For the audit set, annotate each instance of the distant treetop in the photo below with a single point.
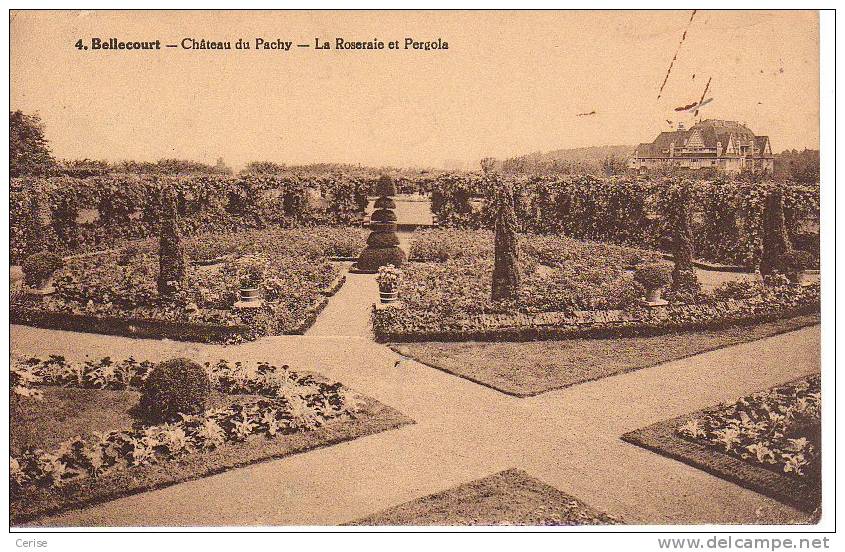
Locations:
(29, 152)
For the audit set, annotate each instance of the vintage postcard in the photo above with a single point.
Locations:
(401, 269)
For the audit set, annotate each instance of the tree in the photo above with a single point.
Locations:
(221, 167)
(506, 256)
(612, 165)
(29, 152)
(171, 255)
(800, 166)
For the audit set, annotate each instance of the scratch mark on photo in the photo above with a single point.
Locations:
(677, 51)
(700, 102)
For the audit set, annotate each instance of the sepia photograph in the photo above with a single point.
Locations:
(391, 270)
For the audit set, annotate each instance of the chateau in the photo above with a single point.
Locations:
(723, 145)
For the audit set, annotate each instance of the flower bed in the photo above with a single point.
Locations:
(283, 404)
(768, 441)
(403, 325)
(120, 285)
(779, 429)
(569, 288)
(443, 244)
(452, 277)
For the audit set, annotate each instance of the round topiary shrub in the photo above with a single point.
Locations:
(39, 267)
(382, 239)
(176, 386)
(383, 226)
(383, 215)
(385, 203)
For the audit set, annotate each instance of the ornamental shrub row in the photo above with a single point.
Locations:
(76, 215)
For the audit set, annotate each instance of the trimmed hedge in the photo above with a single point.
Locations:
(160, 329)
(130, 326)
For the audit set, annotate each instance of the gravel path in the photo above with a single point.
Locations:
(568, 438)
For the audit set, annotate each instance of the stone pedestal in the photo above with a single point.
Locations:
(654, 304)
(249, 304)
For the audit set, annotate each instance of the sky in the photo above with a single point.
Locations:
(510, 83)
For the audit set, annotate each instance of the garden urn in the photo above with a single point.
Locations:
(653, 277)
(250, 294)
(390, 296)
(388, 280)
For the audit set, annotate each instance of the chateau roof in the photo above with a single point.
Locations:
(711, 132)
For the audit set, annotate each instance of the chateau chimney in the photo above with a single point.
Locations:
(718, 149)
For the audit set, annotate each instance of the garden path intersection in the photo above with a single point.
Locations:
(568, 438)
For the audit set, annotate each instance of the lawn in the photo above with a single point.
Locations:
(77, 437)
(65, 413)
(511, 497)
(533, 367)
(769, 442)
(295, 273)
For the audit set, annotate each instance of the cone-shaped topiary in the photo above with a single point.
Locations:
(684, 279)
(382, 244)
(776, 245)
(506, 259)
(172, 263)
